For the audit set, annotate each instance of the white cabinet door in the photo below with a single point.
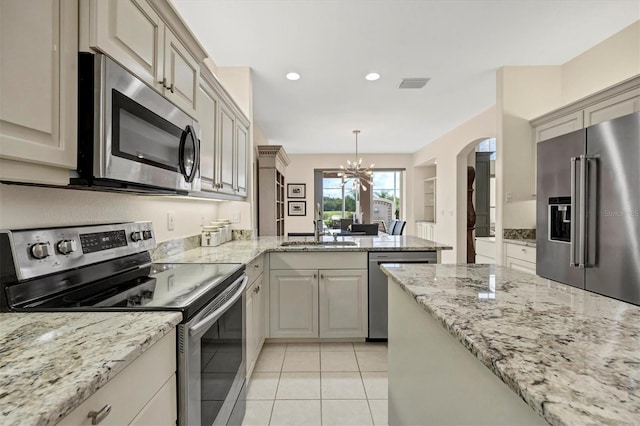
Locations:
(181, 71)
(162, 409)
(225, 153)
(617, 106)
(242, 141)
(343, 303)
(38, 89)
(207, 116)
(255, 321)
(132, 33)
(293, 303)
(560, 126)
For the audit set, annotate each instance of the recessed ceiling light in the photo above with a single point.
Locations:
(372, 76)
(293, 76)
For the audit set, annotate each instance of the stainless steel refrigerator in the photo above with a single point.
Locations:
(588, 208)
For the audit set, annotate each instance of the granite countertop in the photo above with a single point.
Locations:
(572, 355)
(51, 362)
(244, 251)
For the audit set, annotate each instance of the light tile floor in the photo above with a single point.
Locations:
(319, 384)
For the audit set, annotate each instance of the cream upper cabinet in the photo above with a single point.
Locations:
(181, 72)
(134, 34)
(242, 141)
(38, 87)
(225, 151)
(131, 32)
(559, 126)
(617, 106)
(224, 140)
(206, 114)
(614, 102)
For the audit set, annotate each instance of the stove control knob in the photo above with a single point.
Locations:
(41, 250)
(146, 235)
(136, 236)
(67, 246)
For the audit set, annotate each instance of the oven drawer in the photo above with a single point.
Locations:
(255, 268)
(129, 391)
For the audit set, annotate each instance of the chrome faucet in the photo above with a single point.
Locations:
(316, 230)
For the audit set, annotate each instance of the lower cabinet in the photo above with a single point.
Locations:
(521, 258)
(426, 230)
(143, 393)
(255, 321)
(318, 303)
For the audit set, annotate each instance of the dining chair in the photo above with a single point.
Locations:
(397, 230)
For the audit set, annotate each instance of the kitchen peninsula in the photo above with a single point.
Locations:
(571, 355)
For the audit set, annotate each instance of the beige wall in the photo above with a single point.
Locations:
(607, 63)
(301, 168)
(30, 207)
(451, 153)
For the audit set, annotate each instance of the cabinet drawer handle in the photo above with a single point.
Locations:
(171, 88)
(163, 82)
(256, 266)
(322, 276)
(524, 250)
(257, 290)
(315, 275)
(98, 416)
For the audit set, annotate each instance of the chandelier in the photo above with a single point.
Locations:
(355, 172)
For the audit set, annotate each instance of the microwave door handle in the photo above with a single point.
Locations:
(583, 211)
(204, 324)
(572, 225)
(181, 151)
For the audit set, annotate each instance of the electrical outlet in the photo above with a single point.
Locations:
(171, 219)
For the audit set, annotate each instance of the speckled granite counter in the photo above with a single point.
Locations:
(573, 356)
(51, 362)
(243, 251)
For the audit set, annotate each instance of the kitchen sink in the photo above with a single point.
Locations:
(318, 243)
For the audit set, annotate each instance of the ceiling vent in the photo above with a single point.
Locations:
(413, 83)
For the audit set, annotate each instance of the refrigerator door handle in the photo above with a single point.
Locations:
(583, 211)
(572, 225)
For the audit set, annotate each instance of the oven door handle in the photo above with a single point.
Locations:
(208, 320)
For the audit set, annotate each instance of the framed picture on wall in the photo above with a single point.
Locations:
(296, 190)
(297, 208)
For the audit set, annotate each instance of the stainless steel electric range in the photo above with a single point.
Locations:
(109, 268)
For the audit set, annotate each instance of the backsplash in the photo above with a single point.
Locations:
(175, 246)
(519, 234)
(242, 234)
(179, 245)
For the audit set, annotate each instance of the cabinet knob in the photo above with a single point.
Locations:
(257, 289)
(256, 266)
(315, 275)
(98, 416)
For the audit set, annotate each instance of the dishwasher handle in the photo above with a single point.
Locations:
(380, 262)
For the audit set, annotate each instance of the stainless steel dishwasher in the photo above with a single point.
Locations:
(378, 306)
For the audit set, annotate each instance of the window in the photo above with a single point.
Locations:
(380, 203)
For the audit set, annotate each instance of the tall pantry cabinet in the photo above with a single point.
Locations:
(272, 160)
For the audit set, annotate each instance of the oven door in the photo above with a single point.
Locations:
(211, 360)
(145, 138)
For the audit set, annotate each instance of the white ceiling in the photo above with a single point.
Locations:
(459, 44)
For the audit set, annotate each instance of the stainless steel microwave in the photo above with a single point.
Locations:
(130, 137)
